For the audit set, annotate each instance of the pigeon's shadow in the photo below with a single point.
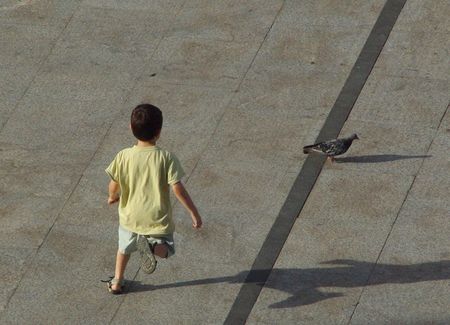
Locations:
(370, 159)
(309, 285)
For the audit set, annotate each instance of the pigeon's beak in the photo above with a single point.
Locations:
(356, 138)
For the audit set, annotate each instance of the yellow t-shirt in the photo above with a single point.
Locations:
(144, 175)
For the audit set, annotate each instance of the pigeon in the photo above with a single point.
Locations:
(331, 148)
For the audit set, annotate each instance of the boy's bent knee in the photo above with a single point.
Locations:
(123, 252)
(161, 250)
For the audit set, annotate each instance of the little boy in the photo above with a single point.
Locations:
(142, 174)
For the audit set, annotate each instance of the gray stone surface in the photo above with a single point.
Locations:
(412, 101)
(34, 185)
(330, 252)
(423, 54)
(227, 21)
(79, 125)
(420, 15)
(396, 271)
(410, 281)
(243, 86)
(205, 62)
(300, 49)
(436, 168)
(13, 262)
(38, 12)
(330, 13)
(13, 84)
(169, 6)
(65, 277)
(22, 49)
(31, 204)
(385, 148)
(107, 42)
(25, 44)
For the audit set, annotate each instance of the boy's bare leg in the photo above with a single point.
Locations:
(161, 250)
(121, 264)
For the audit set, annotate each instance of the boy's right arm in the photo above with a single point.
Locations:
(184, 198)
(113, 189)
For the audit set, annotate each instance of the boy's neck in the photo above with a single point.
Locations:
(150, 143)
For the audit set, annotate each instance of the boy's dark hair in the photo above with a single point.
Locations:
(146, 121)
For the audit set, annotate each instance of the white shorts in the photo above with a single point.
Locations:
(128, 241)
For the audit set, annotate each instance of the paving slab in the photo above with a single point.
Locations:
(427, 16)
(25, 44)
(445, 121)
(432, 182)
(440, 163)
(13, 265)
(331, 249)
(16, 160)
(13, 85)
(202, 62)
(303, 96)
(413, 102)
(30, 205)
(384, 147)
(72, 85)
(330, 13)
(38, 12)
(167, 5)
(65, 276)
(88, 203)
(83, 131)
(423, 54)
(107, 42)
(300, 49)
(306, 284)
(22, 49)
(411, 280)
(228, 21)
(262, 128)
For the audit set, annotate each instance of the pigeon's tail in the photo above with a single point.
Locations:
(308, 149)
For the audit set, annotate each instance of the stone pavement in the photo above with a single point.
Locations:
(243, 85)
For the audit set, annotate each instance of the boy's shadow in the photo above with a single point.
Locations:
(370, 159)
(304, 284)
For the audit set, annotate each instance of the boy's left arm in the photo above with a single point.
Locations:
(184, 198)
(113, 189)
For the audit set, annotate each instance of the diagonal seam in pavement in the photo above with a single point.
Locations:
(236, 90)
(130, 92)
(40, 64)
(9, 117)
(217, 124)
(304, 183)
(72, 191)
(396, 217)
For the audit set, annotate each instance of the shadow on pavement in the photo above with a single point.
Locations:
(377, 158)
(304, 284)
